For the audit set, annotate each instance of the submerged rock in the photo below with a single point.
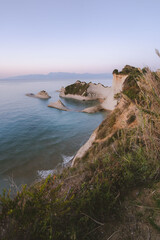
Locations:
(30, 94)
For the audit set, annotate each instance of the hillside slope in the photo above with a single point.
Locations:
(112, 190)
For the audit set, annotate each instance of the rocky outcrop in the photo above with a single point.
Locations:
(93, 109)
(85, 91)
(91, 91)
(42, 94)
(58, 105)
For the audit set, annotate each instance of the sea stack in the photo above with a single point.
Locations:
(58, 105)
(42, 94)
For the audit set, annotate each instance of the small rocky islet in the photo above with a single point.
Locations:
(42, 94)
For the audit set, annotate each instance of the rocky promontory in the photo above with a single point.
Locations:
(91, 91)
(84, 91)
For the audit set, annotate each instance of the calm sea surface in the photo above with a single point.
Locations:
(35, 139)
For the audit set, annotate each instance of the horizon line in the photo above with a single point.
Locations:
(49, 73)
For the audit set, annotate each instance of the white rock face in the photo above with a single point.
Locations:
(118, 81)
(81, 152)
(117, 84)
(98, 91)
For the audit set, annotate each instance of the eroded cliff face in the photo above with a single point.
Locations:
(110, 102)
(117, 84)
(125, 115)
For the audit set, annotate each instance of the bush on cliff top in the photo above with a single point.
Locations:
(130, 85)
(126, 70)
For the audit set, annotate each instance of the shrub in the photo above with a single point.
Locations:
(77, 88)
(115, 71)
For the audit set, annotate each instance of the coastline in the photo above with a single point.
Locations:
(114, 170)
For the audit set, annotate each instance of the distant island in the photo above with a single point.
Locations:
(60, 76)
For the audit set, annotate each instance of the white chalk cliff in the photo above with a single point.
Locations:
(99, 92)
(110, 102)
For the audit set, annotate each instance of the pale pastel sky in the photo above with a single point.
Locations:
(41, 36)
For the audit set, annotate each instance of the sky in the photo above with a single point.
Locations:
(95, 36)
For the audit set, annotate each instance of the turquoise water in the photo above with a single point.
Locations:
(35, 139)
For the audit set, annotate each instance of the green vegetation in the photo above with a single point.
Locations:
(107, 124)
(130, 87)
(115, 71)
(126, 70)
(79, 88)
(131, 119)
(86, 202)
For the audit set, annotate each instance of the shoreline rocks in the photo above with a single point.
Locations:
(58, 105)
(93, 109)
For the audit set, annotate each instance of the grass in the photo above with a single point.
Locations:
(131, 119)
(107, 125)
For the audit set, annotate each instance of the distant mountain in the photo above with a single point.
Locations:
(61, 76)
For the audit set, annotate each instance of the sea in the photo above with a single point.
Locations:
(35, 140)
